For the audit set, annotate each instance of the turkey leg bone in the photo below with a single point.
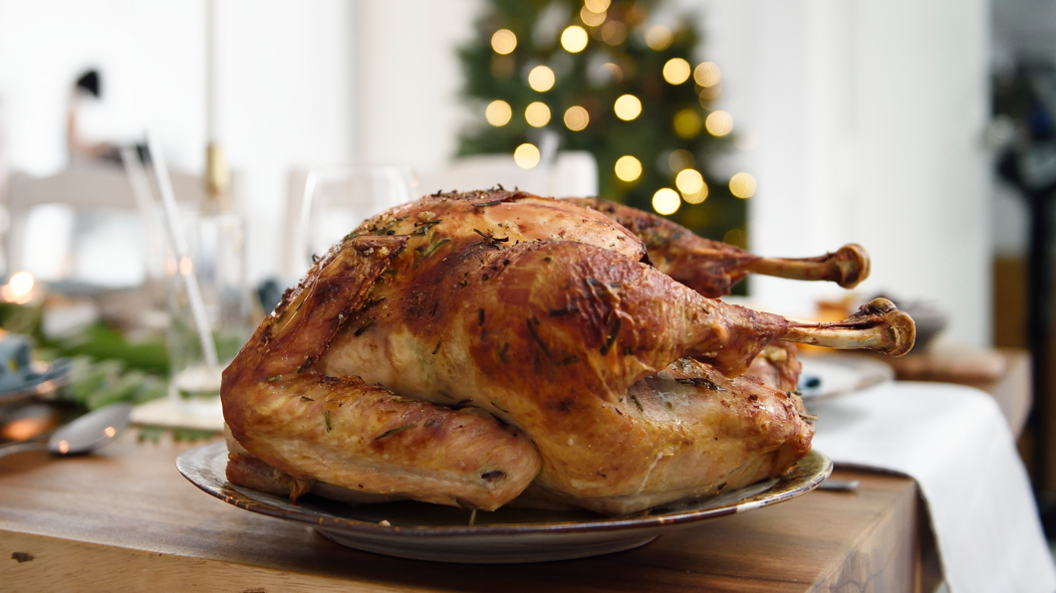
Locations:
(711, 267)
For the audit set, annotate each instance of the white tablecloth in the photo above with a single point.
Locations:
(954, 442)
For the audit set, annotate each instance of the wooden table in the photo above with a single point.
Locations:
(126, 520)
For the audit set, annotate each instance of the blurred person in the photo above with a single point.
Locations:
(88, 87)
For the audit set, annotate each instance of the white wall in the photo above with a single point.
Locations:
(408, 78)
(286, 97)
(869, 119)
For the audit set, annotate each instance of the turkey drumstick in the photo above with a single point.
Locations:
(712, 268)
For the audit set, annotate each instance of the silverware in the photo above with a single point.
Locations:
(87, 433)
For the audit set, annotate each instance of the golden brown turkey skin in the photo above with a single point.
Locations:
(343, 431)
(459, 348)
(549, 336)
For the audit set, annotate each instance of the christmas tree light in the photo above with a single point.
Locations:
(607, 77)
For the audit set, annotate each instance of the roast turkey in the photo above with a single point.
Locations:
(477, 349)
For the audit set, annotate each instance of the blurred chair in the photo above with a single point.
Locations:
(83, 225)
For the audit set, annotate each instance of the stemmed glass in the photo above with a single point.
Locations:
(337, 199)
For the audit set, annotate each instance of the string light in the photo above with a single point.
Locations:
(742, 185)
(687, 123)
(628, 168)
(698, 196)
(598, 6)
(736, 237)
(614, 32)
(526, 156)
(707, 74)
(541, 79)
(576, 118)
(676, 71)
(680, 159)
(628, 107)
(574, 39)
(591, 19)
(503, 42)
(689, 181)
(658, 37)
(719, 123)
(498, 113)
(537, 114)
(666, 201)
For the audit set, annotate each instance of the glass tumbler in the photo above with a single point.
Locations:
(211, 311)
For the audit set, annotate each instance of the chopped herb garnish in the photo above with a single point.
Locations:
(701, 382)
(429, 423)
(593, 282)
(491, 203)
(274, 378)
(437, 349)
(491, 239)
(535, 336)
(426, 252)
(364, 327)
(563, 312)
(304, 365)
(637, 403)
(326, 416)
(480, 317)
(389, 433)
(305, 398)
(611, 337)
(570, 360)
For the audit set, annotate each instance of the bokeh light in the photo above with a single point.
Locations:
(689, 181)
(597, 5)
(591, 19)
(680, 159)
(498, 113)
(576, 118)
(574, 39)
(736, 237)
(697, 197)
(541, 79)
(628, 107)
(666, 201)
(707, 74)
(537, 114)
(526, 156)
(742, 185)
(687, 123)
(628, 168)
(614, 32)
(658, 37)
(503, 42)
(719, 123)
(676, 71)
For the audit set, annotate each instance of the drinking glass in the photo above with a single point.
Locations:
(216, 258)
(337, 199)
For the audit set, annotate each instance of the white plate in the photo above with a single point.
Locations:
(828, 376)
(432, 532)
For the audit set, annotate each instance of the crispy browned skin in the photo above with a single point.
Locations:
(711, 267)
(776, 366)
(538, 314)
(346, 432)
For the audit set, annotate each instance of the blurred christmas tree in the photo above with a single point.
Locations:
(608, 80)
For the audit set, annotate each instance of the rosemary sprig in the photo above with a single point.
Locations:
(389, 433)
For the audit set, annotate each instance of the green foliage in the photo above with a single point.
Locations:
(583, 79)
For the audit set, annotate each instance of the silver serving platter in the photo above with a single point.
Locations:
(509, 535)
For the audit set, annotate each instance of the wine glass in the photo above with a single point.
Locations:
(338, 199)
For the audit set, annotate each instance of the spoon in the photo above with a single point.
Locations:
(89, 432)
